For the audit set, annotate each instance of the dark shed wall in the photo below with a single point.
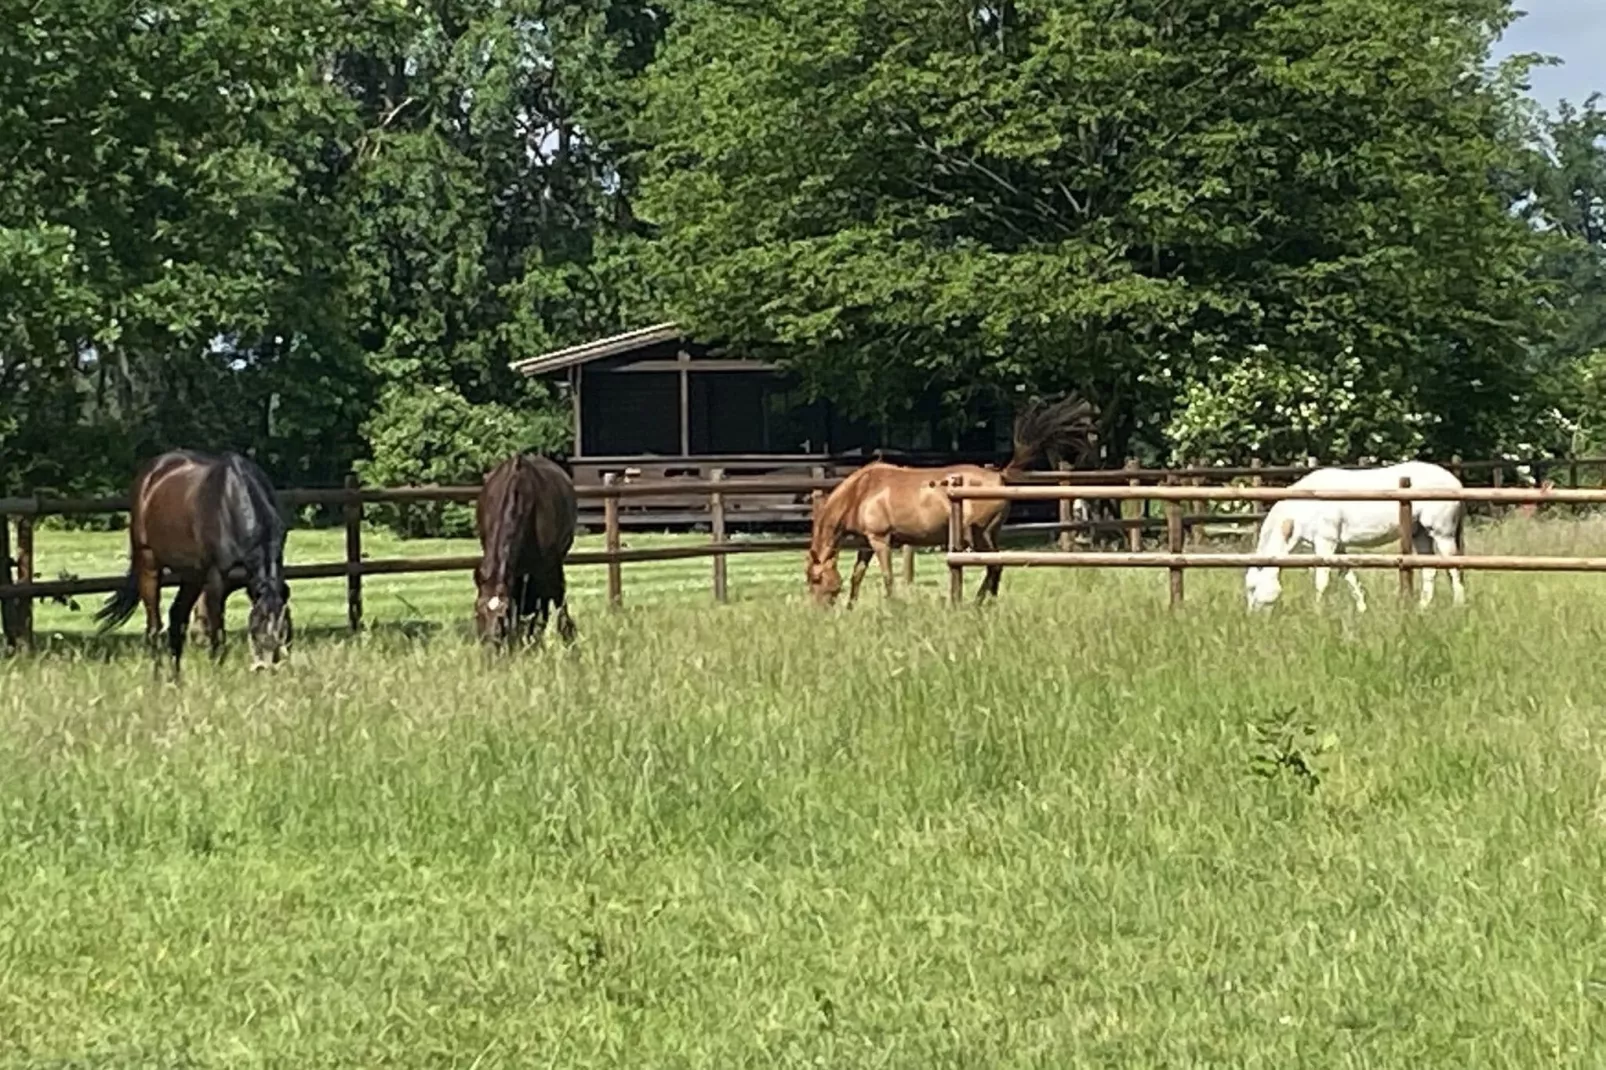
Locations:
(634, 412)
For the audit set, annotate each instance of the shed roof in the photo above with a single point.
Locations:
(560, 359)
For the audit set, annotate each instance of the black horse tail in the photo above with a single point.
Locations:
(121, 605)
(1055, 429)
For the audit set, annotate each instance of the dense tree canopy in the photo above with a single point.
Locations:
(228, 224)
(320, 233)
(1250, 225)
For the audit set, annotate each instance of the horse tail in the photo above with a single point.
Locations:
(1461, 529)
(121, 605)
(1055, 429)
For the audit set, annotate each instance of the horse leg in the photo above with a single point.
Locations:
(859, 566)
(1445, 546)
(1323, 547)
(150, 593)
(531, 609)
(540, 617)
(883, 557)
(1422, 545)
(210, 610)
(1354, 580)
(565, 623)
(178, 621)
(985, 539)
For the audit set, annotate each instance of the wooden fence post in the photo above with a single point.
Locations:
(1134, 534)
(1256, 480)
(1065, 540)
(1572, 472)
(1498, 480)
(1407, 544)
(353, 510)
(610, 535)
(8, 609)
(817, 495)
(716, 526)
(1174, 541)
(24, 608)
(956, 543)
(1202, 506)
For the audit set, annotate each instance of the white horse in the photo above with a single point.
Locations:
(1331, 527)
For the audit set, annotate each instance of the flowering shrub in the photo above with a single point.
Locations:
(1268, 406)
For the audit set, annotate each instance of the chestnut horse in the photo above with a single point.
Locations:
(201, 517)
(526, 516)
(891, 505)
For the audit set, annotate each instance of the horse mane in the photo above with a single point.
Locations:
(499, 553)
(1051, 429)
(271, 528)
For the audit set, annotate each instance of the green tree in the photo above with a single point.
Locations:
(480, 201)
(1223, 218)
(155, 219)
(1562, 192)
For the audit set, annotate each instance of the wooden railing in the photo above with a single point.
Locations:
(19, 590)
(20, 585)
(1176, 560)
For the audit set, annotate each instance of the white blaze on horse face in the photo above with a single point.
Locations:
(495, 604)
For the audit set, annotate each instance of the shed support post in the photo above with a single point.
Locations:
(610, 535)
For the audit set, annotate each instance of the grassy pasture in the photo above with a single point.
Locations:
(1043, 834)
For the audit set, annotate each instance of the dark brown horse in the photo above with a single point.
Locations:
(202, 517)
(891, 505)
(526, 517)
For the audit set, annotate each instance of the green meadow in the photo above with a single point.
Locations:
(1073, 828)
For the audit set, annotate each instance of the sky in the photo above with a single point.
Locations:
(1573, 30)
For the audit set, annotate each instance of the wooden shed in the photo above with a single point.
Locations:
(654, 403)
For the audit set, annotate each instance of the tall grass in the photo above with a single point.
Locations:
(1070, 829)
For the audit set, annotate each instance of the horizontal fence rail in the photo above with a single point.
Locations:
(1170, 487)
(1176, 561)
(1511, 495)
(1469, 562)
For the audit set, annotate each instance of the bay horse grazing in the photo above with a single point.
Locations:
(200, 517)
(1330, 527)
(891, 505)
(526, 516)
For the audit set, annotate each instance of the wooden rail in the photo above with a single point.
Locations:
(1513, 495)
(20, 588)
(1406, 562)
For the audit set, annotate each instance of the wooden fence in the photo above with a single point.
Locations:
(1177, 561)
(19, 589)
